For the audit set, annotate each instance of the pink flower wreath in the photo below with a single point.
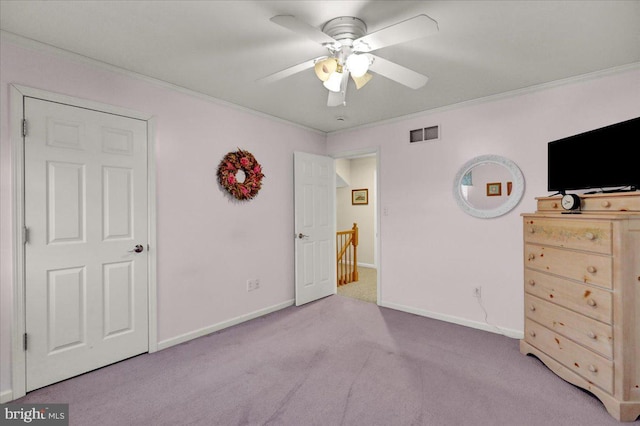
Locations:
(228, 169)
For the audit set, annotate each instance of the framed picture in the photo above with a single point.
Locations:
(509, 187)
(359, 196)
(494, 189)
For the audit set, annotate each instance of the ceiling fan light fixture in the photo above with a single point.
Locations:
(348, 45)
(334, 82)
(325, 68)
(362, 80)
(358, 65)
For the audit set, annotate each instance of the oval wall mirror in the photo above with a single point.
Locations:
(488, 186)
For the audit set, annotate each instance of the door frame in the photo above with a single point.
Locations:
(377, 245)
(17, 95)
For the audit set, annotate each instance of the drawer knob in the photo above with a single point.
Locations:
(532, 308)
(554, 205)
(592, 269)
(532, 333)
(532, 282)
(532, 256)
(589, 236)
(532, 230)
(591, 302)
(593, 368)
(606, 204)
(592, 335)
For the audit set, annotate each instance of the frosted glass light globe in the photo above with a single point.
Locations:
(334, 82)
(358, 65)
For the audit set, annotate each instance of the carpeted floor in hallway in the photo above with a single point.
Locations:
(366, 288)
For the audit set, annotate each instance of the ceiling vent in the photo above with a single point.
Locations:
(426, 134)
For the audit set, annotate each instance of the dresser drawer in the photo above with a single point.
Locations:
(595, 203)
(588, 332)
(590, 301)
(611, 203)
(549, 205)
(593, 367)
(585, 235)
(584, 267)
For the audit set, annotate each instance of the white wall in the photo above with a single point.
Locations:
(208, 246)
(433, 254)
(362, 173)
(343, 169)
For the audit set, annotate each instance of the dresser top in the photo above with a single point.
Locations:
(615, 204)
(601, 195)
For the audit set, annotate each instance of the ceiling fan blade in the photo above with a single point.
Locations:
(336, 99)
(300, 27)
(290, 71)
(411, 29)
(397, 72)
(339, 98)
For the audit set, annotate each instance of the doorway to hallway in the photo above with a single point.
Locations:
(356, 203)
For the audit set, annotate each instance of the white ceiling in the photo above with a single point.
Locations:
(220, 48)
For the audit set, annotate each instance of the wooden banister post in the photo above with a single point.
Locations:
(355, 234)
(355, 252)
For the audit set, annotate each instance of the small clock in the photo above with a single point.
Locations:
(570, 202)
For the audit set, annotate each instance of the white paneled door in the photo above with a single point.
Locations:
(86, 250)
(315, 230)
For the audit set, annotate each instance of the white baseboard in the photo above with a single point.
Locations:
(221, 325)
(6, 396)
(514, 334)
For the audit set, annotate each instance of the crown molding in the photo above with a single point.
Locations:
(499, 96)
(76, 57)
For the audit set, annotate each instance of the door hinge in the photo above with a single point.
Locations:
(24, 127)
(25, 235)
(25, 341)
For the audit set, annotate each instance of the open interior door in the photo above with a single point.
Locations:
(315, 228)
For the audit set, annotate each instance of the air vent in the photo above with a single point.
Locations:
(425, 134)
(416, 135)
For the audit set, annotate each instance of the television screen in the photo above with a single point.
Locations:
(601, 158)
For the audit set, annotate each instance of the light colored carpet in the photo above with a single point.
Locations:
(365, 288)
(337, 361)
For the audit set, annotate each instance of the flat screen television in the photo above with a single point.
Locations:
(598, 159)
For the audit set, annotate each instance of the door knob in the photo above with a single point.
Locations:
(301, 235)
(138, 248)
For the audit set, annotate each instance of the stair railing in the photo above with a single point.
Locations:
(347, 259)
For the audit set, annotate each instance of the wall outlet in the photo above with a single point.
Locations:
(253, 285)
(477, 292)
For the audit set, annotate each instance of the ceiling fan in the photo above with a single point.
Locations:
(349, 48)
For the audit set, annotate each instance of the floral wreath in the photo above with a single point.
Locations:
(237, 161)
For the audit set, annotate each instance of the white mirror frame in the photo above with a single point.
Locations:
(514, 198)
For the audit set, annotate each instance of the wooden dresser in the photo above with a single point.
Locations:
(582, 296)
